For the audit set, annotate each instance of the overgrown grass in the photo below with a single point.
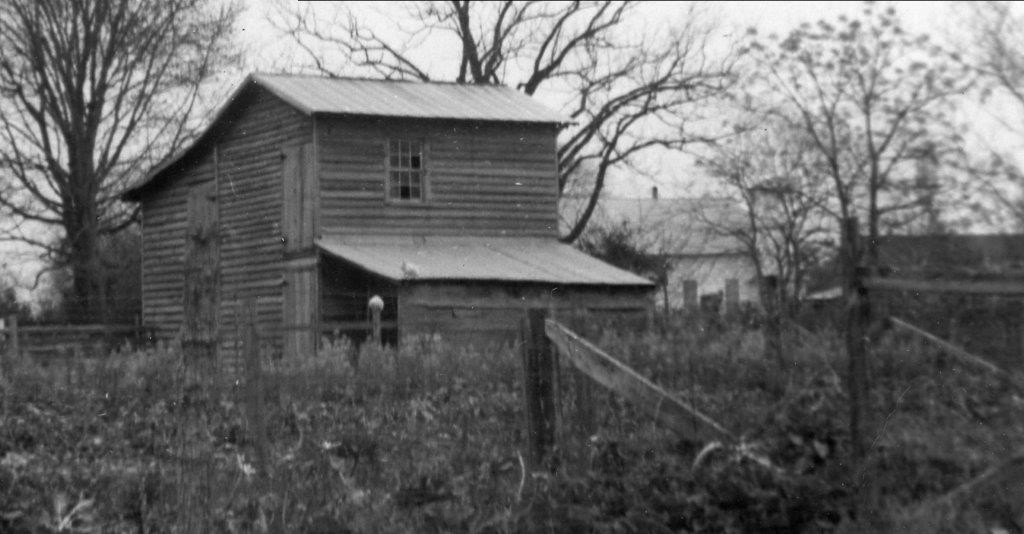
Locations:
(429, 439)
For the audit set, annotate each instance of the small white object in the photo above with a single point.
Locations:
(376, 303)
(410, 271)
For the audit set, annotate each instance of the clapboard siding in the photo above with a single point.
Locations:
(490, 313)
(251, 195)
(244, 159)
(483, 178)
(164, 224)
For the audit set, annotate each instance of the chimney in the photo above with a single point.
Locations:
(654, 192)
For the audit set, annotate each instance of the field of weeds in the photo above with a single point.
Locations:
(430, 439)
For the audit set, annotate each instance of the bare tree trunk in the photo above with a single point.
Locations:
(83, 258)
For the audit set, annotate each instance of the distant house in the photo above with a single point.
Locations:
(310, 195)
(707, 265)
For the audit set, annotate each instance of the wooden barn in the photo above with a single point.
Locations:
(310, 195)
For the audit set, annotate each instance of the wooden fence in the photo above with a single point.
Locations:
(865, 320)
(45, 342)
(545, 339)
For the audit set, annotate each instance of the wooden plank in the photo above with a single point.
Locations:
(291, 205)
(484, 304)
(968, 287)
(310, 188)
(199, 296)
(539, 366)
(79, 329)
(255, 414)
(299, 310)
(497, 179)
(1005, 474)
(959, 353)
(858, 317)
(353, 326)
(732, 296)
(15, 339)
(619, 378)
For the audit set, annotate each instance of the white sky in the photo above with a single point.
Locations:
(265, 49)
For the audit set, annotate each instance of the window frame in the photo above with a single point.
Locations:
(423, 170)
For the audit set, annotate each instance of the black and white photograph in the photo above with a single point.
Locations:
(511, 266)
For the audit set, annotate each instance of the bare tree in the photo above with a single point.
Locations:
(780, 183)
(91, 94)
(873, 99)
(625, 95)
(994, 49)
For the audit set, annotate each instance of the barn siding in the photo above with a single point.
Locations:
(251, 194)
(248, 170)
(483, 178)
(164, 225)
(491, 313)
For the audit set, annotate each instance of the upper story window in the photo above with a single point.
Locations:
(406, 172)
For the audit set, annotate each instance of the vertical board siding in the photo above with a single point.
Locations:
(482, 178)
(249, 197)
(164, 228)
(251, 193)
(301, 276)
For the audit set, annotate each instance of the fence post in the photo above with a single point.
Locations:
(773, 321)
(138, 331)
(15, 341)
(538, 388)
(254, 388)
(376, 306)
(858, 318)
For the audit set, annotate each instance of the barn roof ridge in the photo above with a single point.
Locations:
(343, 96)
(313, 75)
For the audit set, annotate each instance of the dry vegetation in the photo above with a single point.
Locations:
(429, 440)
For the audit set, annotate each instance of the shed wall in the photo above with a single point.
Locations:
(244, 159)
(490, 313)
(483, 178)
(164, 226)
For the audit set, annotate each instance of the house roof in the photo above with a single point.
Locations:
(675, 226)
(391, 98)
(382, 98)
(494, 259)
(939, 255)
(978, 253)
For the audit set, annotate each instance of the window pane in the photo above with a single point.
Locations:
(394, 184)
(405, 163)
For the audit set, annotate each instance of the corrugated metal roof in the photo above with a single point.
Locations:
(426, 100)
(502, 259)
(385, 98)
